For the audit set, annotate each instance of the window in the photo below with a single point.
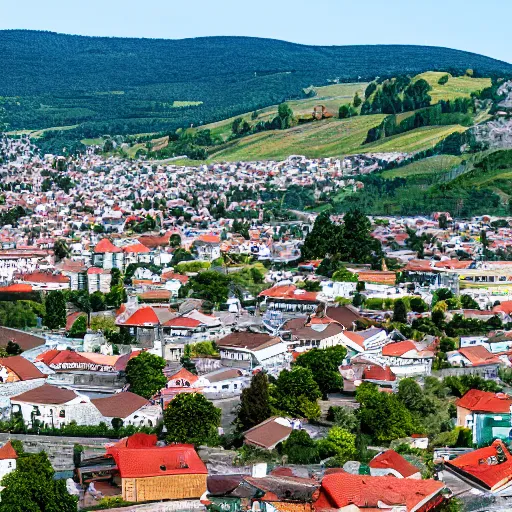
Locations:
(62, 413)
(235, 386)
(225, 386)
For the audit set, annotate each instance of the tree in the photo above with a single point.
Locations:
(443, 221)
(310, 286)
(399, 312)
(418, 305)
(354, 242)
(186, 360)
(192, 418)
(296, 393)
(468, 302)
(285, 114)
(31, 487)
(357, 100)
(383, 416)
(344, 444)
(443, 80)
(345, 276)
(211, 285)
(145, 375)
(175, 240)
(345, 418)
(61, 249)
(346, 111)
(13, 349)
(104, 324)
(79, 328)
(410, 394)
(97, 301)
(254, 403)
(300, 448)
(55, 305)
(318, 242)
(324, 364)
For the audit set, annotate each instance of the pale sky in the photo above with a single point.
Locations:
(462, 24)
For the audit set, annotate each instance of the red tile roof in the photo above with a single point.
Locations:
(119, 405)
(177, 459)
(267, 434)
(483, 401)
(17, 288)
(143, 316)
(356, 338)
(8, 452)
(167, 276)
(289, 292)
(56, 357)
(393, 460)
(504, 307)
(342, 489)
(376, 372)
(136, 248)
(478, 465)
(96, 270)
(106, 246)
(453, 264)
(209, 239)
(164, 295)
(182, 321)
(24, 340)
(22, 367)
(183, 375)
(45, 277)
(479, 355)
(398, 349)
(46, 395)
(376, 276)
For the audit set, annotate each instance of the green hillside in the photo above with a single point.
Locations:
(122, 85)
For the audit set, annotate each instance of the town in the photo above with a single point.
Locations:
(182, 337)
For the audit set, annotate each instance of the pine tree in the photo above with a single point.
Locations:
(254, 404)
(399, 312)
(55, 306)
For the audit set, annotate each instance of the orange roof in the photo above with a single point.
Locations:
(479, 355)
(398, 349)
(478, 465)
(183, 374)
(375, 276)
(16, 288)
(8, 452)
(393, 460)
(484, 401)
(174, 459)
(143, 316)
(156, 295)
(453, 264)
(209, 239)
(376, 372)
(504, 307)
(356, 338)
(45, 277)
(289, 292)
(341, 489)
(106, 246)
(182, 321)
(136, 248)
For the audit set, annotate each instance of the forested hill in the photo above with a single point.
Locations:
(142, 84)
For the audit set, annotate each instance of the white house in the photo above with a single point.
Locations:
(8, 458)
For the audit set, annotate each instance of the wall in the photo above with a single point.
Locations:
(7, 466)
(164, 487)
(170, 506)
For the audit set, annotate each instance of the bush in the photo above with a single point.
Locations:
(300, 448)
(192, 266)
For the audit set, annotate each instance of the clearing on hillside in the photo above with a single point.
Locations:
(433, 165)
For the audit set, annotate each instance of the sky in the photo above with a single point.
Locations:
(462, 24)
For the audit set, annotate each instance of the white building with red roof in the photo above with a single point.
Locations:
(98, 280)
(392, 463)
(106, 255)
(8, 458)
(290, 299)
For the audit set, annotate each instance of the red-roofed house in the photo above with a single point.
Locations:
(289, 298)
(476, 355)
(393, 464)
(106, 255)
(488, 468)
(143, 323)
(488, 415)
(98, 280)
(342, 490)
(207, 247)
(40, 280)
(154, 473)
(136, 253)
(407, 358)
(8, 458)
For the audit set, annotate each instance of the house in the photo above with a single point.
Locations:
(18, 375)
(392, 463)
(69, 360)
(152, 473)
(136, 253)
(54, 406)
(407, 358)
(106, 255)
(475, 356)
(290, 299)
(98, 280)
(344, 491)
(223, 383)
(249, 350)
(207, 247)
(46, 281)
(76, 271)
(129, 407)
(360, 371)
(269, 433)
(488, 469)
(8, 457)
(488, 415)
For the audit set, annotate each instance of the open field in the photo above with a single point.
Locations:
(332, 137)
(415, 140)
(39, 133)
(432, 165)
(456, 87)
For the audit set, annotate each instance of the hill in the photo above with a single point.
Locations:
(118, 85)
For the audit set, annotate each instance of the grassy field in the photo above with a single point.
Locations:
(99, 141)
(456, 87)
(432, 165)
(331, 96)
(39, 133)
(332, 137)
(415, 140)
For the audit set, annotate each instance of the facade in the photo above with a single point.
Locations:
(98, 280)
(248, 350)
(488, 415)
(290, 299)
(8, 457)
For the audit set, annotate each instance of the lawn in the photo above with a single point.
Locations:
(432, 165)
(332, 137)
(456, 87)
(415, 140)
(99, 141)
